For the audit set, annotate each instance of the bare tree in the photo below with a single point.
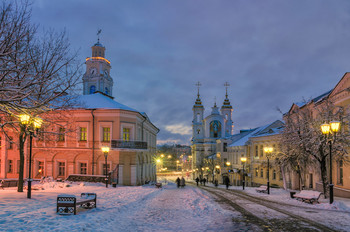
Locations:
(303, 143)
(38, 74)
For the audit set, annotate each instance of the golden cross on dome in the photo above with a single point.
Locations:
(226, 85)
(198, 84)
(98, 34)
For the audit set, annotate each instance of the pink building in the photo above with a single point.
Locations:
(72, 144)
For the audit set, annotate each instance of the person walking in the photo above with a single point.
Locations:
(227, 181)
(204, 180)
(178, 182)
(182, 182)
(197, 180)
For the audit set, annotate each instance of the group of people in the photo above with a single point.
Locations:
(180, 182)
(202, 181)
(226, 181)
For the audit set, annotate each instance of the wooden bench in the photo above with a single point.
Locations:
(8, 183)
(308, 196)
(67, 204)
(158, 185)
(262, 189)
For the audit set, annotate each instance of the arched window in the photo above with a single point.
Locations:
(106, 90)
(92, 89)
(215, 129)
(198, 117)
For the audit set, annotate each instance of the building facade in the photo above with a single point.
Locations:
(71, 143)
(206, 131)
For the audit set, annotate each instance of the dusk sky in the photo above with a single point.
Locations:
(272, 53)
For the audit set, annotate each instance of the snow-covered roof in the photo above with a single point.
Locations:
(242, 138)
(100, 101)
(270, 129)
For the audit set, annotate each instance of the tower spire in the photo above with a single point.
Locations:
(226, 85)
(226, 103)
(198, 102)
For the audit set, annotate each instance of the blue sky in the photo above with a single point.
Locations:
(272, 53)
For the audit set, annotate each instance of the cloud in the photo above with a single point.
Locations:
(179, 129)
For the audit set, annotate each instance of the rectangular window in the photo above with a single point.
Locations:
(83, 134)
(126, 134)
(261, 173)
(41, 168)
(274, 174)
(104, 169)
(256, 172)
(10, 168)
(261, 150)
(61, 168)
(61, 134)
(10, 143)
(106, 134)
(340, 172)
(83, 168)
(256, 151)
(225, 147)
(281, 176)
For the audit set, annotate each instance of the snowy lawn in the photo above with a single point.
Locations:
(141, 208)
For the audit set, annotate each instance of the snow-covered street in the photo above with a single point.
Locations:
(142, 208)
(146, 208)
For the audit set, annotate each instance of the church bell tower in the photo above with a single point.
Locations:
(97, 75)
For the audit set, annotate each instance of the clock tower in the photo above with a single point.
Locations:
(97, 75)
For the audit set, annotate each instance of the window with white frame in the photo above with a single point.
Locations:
(106, 134)
(10, 166)
(61, 134)
(41, 167)
(83, 168)
(61, 168)
(83, 134)
(126, 134)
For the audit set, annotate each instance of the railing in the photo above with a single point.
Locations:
(121, 144)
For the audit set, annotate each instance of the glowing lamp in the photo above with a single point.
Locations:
(243, 159)
(228, 163)
(325, 128)
(335, 126)
(37, 123)
(105, 149)
(25, 118)
(268, 150)
(158, 160)
(217, 166)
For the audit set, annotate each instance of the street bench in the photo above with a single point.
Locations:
(262, 189)
(8, 183)
(67, 204)
(308, 196)
(158, 185)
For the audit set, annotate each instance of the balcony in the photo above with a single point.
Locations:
(133, 145)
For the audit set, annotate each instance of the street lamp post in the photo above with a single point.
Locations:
(268, 151)
(105, 151)
(243, 160)
(333, 127)
(31, 124)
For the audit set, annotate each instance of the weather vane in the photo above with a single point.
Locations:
(198, 84)
(98, 34)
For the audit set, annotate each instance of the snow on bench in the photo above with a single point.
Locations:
(262, 189)
(309, 196)
(67, 204)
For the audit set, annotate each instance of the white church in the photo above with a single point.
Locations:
(206, 131)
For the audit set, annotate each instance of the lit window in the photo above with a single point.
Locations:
(340, 172)
(256, 151)
(126, 134)
(83, 168)
(41, 168)
(83, 133)
(256, 172)
(61, 132)
(106, 134)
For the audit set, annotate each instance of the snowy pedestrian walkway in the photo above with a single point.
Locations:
(141, 208)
